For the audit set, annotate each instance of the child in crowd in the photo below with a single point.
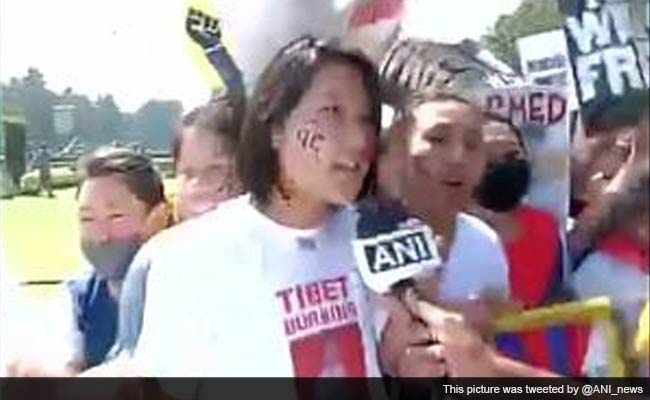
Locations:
(121, 205)
(204, 150)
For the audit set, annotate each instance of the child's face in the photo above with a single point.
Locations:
(445, 155)
(108, 211)
(206, 173)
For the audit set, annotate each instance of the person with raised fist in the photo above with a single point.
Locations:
(205, 30)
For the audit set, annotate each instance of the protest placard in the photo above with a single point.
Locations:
(545, 62)
(542, 115)
(607, 67)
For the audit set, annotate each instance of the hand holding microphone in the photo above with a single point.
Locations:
(394, 252)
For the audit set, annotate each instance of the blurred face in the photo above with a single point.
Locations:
(609, 163)
(446, 155)
(206, 173)
(327, 143)
(605, 168)
(501, 143)
(507, 175)
(108, 210)
(113, 225)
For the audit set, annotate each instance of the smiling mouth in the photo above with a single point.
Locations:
(348, 167)
(453, 183)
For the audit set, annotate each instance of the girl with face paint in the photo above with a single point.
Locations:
(271, 289)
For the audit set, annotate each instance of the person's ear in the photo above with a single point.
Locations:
(157, 220)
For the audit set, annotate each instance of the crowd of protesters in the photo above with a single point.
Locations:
(249, 270)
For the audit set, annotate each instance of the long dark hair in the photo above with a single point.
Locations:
(220, 117)
(278, 91)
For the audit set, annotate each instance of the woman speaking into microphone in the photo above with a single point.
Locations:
(264, 285)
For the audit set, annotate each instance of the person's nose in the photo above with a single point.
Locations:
(101, 232)
(456, 153)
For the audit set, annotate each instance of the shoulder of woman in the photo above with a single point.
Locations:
(226, 220)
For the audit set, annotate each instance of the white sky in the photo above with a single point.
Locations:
(137, 49)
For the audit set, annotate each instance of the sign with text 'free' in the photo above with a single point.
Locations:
(605, 60)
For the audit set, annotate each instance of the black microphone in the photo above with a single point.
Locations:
(393, 250)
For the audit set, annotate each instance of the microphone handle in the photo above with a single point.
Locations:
(407, 293)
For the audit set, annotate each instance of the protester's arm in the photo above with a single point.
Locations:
(637, 159)
(465, 353)
(584, 154)
(579, 239)
(205, 30)
(441, 344)
(506, 367)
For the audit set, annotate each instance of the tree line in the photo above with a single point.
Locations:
(101, 121)
(93, 121)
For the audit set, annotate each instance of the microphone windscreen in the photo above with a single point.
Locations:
(392, 246)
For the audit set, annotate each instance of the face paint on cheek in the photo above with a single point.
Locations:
(315, 143)
(310, 137)
(302, 134)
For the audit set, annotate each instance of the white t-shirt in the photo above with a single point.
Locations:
(233, 293)
(476, 263)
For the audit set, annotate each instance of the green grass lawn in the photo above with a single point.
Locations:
(40, 236)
